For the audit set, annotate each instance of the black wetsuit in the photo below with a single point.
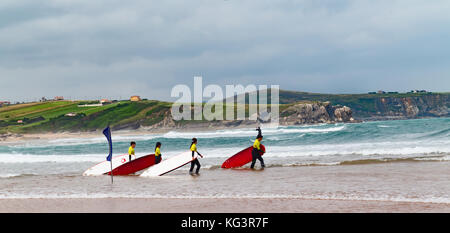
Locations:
(256, 155)
(157, 159)
(193, 163)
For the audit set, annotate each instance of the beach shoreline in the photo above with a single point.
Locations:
(212, 205)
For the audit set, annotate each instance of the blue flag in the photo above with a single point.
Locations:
(107, 133)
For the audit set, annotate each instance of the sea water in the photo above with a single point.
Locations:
(403, 160)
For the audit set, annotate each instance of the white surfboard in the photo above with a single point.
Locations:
(169, 165)
(105, 166)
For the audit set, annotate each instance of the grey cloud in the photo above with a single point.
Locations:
(116, 48)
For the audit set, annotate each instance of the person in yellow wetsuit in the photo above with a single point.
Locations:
(131, 150)
(158, 153)
(256, 152)
(194, 161)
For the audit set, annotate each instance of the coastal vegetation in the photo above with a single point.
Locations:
(75, 116)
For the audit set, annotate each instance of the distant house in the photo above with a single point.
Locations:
(135, 98)
(105, 101)
(20, 121)
(381, 92)
(4, 103)
(58, 98)
(418, 91)
(90, 105)
(71, 114)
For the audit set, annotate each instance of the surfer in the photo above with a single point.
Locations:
(131, 150)
(157, 153)
(194, 161)
(256, 152)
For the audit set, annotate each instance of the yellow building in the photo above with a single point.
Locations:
(135, 98)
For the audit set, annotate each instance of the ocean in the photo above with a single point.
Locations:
(402, 160)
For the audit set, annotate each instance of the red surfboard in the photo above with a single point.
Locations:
(134, 166)
(241, 158)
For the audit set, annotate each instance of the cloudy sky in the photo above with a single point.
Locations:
(84, 49)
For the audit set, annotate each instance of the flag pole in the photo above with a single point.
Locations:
(107, 133)
(112, 179)
(111, 160)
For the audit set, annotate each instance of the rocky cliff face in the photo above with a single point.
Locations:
(380, 106)
(313, 113)
(297, 114)
(410, 107)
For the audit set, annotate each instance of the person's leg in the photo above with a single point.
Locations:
(253, 159)
(192, 163)
(129, 158)
(192, 166)
(261, 160)
(198, 166)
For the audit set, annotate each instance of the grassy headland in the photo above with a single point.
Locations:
(59, 116)
(69, 116)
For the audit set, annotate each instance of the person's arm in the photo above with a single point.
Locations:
(193, 152)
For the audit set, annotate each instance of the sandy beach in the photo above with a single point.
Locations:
(327, 180)
(17, 139)
(210, 205)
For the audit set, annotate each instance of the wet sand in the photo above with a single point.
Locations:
(213, 205)
(407, 187)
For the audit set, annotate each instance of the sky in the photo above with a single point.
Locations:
(84, 49)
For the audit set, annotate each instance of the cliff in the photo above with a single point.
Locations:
(294, 114)
(411, 107)
(381, 106)
(313, 113)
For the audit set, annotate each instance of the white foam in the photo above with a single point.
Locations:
(9, 175)
(94, 158)
(444, 158)
(365, 149)
(118, 138)
(361, 150)
(282, 130)
(252, 132)
(27, 158)
(384, 126)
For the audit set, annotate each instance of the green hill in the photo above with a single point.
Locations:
(68, 116)
(57, 116)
